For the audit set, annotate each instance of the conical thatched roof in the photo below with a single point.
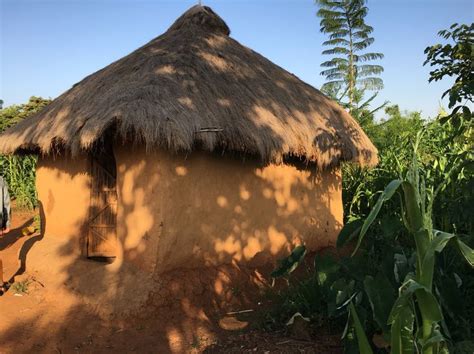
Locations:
(195, 87)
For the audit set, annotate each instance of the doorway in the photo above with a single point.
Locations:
(102, 227)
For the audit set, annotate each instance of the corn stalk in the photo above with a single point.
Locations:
(416, 297)
(19, 173)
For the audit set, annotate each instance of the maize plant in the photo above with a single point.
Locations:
(416, 315)
(19, 172)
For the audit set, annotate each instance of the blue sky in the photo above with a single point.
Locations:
(47, 46)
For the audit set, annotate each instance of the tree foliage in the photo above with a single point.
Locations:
(13, 114)
(348, 70)
(456, 60)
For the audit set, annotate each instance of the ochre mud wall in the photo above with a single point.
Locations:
(63, 186)
(178, 211)
(181, 221)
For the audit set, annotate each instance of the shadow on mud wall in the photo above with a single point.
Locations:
(173, 308)
(209, 209)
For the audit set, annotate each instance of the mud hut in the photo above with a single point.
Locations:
(192, 150)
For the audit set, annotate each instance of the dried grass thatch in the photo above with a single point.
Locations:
(194, 86)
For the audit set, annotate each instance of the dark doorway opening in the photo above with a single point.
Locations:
(102, 227)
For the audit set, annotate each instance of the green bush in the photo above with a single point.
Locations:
(370, 280)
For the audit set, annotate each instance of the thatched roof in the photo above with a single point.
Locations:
(195, 87)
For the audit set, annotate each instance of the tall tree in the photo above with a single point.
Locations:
(349, 38)
(13, 114)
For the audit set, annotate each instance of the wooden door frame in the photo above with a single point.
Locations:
(93, 163)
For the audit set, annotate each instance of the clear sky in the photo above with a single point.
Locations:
(47, 46)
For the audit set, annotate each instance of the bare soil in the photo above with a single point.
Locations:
(37, 318)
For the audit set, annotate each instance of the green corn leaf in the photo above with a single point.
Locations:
(349, 232)
(381, 297)
(431, 310)
(388, 192)
(363, 342)
(466, 251)
(289, 264)
(437, 244)
(425, 299)
(400, 267)
(325, 265)
(434, 338)
(402, 339)
(403, 300)
(341, 291)
(441, 239)
(414, 218)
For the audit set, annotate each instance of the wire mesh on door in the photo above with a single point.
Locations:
(102, 230)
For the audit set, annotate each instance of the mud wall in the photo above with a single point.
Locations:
(63, 186)
(204, 209)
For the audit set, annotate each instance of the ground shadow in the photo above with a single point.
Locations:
(28, 244)
(13, 236)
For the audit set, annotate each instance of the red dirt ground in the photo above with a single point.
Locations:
(52, 321)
